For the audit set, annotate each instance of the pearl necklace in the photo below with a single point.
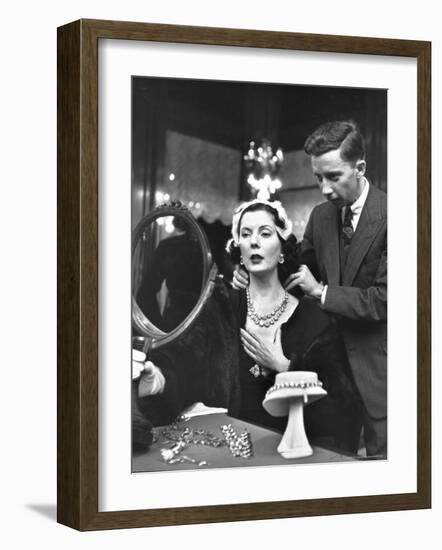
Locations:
(270, 318)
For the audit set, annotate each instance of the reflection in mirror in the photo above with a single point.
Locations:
(168, 271)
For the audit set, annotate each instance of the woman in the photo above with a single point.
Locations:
(244, 338)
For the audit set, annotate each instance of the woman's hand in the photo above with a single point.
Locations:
(266, 355)
(138, 363)
(152, 380)
(240, 279)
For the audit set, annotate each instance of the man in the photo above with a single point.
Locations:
(344, 251)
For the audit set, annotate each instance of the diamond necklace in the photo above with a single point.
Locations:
(269, 318)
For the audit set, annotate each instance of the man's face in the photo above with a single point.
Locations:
(339, 181)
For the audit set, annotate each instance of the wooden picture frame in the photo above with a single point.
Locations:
(77, 224)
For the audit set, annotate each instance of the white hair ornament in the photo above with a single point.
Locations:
(284, 232)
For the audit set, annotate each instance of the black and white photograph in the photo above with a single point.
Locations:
(259, 274)
(196, 348)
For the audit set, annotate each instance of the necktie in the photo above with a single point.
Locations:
(346, 236)
(347, 227)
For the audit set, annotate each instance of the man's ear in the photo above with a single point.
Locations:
(361, 165)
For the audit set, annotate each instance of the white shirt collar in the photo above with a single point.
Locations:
(357, 206)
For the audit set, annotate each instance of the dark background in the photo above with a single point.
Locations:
(199, 131)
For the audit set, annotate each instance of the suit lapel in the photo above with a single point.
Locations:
(368, 225)
(330, 255)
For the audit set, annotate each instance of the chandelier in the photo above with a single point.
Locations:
(263, 166)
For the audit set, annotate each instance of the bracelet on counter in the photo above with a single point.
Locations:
(240, 445)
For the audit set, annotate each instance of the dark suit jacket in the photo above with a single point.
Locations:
(357, 298)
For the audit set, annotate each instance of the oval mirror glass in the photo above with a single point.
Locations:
(172, 275)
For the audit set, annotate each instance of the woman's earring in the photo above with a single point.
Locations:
(241, 261)
(281, 259)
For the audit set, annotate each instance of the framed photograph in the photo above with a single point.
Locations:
(187, 156)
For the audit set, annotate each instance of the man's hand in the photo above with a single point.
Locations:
(240, 279)
(305, 280)
(269, 356)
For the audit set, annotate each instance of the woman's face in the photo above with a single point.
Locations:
(259, 242)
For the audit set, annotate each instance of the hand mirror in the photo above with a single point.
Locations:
(172, 275)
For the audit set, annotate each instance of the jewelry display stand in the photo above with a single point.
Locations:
(294, 442)
(290, 393)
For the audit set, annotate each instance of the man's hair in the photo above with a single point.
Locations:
(343, 134)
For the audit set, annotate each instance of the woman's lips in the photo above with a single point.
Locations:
(256, 258)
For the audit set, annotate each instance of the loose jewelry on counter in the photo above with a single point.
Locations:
(176, 433)
(174, 456)
(239, 445)
(184, 437)
(169, 454)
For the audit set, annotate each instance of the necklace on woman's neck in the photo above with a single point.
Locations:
(269, 318)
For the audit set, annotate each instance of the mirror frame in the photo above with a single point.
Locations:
(154, 337)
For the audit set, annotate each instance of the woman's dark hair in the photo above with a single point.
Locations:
(343, 134)
(289, 247)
